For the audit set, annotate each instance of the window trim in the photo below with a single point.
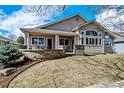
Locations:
(38, 38)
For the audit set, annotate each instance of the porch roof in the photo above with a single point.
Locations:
(50, 32)
(5, 39)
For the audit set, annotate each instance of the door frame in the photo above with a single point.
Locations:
(47, 41)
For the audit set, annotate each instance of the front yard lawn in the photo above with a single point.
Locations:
(74, 71)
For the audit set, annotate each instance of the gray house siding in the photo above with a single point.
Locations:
(66, 25)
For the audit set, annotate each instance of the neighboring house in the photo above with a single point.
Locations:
(4, 40)
(119, 42)
(72, 34)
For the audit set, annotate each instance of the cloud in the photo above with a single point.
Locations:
(24, 18)
(112, 19)
(18, 20)
(1, 13)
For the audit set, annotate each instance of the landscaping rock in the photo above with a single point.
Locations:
(7, 71)
(20, 59)
(32, 55)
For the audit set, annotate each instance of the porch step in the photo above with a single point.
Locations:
(69, 53)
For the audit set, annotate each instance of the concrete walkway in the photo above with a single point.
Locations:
(119, 84)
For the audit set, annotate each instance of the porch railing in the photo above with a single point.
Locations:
(79, 49)
(68, 48)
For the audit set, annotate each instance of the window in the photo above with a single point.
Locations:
(77, 19)
(92, 40)
(61, 41)
(91, 33)
(100, 41)
(37, 41)
(34, 40)
(86, 40)
(96, 41)
(82, 40)
(82, 33)
(107, 41)
(41, 41)
(99, 34)
(66, 42)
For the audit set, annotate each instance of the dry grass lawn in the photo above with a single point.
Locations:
(74, 71)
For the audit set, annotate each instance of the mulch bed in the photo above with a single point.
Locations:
(5, 80)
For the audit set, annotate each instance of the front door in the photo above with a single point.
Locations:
(49, 43)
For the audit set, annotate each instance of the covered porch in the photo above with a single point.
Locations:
(42, 39)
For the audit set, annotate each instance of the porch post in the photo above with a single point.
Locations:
(75, 43)
(78, 38)
(56, 41)
(27, 40)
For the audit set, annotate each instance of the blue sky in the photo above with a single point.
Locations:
(9, 9)
(78, 9)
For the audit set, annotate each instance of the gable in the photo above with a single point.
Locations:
(92, 26)
(97, 27)
(67, 24)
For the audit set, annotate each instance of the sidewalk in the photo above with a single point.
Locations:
(119, 84)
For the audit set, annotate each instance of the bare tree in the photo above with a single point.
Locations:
(114, 21)
(42, 10)
(110, 16)
(39, 14)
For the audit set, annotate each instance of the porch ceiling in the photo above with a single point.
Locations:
(49, 32)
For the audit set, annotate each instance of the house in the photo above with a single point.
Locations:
(72, 34)
(119, 42)
(4, 40)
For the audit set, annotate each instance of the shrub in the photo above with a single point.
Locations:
(8, 55)
(20, 40)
